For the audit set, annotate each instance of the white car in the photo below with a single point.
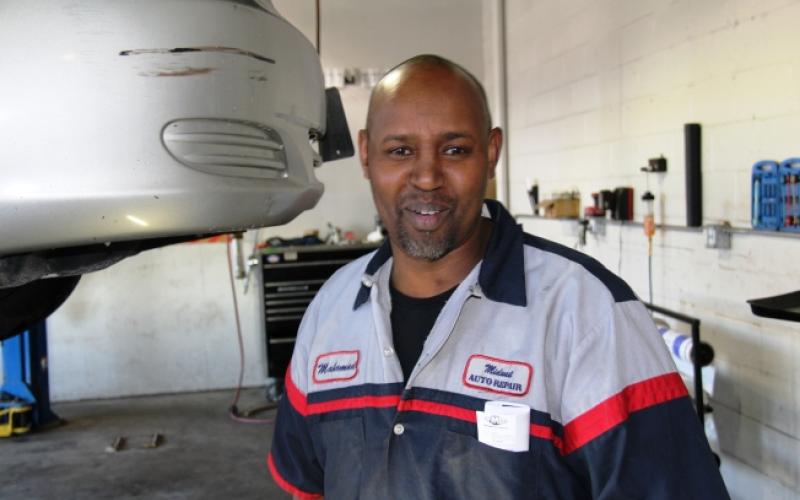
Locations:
(131, 124)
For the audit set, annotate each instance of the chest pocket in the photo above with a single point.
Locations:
(339, 443)
(471, 469)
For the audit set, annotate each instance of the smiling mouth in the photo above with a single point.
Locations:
(427, 212)
(426, 218)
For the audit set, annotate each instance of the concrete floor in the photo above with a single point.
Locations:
(204, 455)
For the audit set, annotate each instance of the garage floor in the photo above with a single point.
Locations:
(204, 454)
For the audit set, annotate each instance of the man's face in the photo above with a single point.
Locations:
(428, 156)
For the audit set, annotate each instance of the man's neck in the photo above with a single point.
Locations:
(416, 277)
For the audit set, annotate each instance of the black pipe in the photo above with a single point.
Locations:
(694, 180)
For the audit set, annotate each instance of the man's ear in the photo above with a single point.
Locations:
(363, 150)
(494, 147)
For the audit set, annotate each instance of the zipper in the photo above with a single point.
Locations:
(427, 355)
(382, 326)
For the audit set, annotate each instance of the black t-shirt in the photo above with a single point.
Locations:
(412, 320)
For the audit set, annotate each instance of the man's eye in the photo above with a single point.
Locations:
(400, 151)
(455, 150)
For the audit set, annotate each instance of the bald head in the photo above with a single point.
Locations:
(431, 67)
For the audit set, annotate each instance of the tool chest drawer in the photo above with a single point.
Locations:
(290, 278)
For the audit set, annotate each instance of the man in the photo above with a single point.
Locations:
(467, 359)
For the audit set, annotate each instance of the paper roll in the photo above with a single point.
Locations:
(678, 344)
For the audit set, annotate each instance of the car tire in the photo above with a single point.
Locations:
(23, 306)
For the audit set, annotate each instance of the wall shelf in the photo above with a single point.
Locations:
(672, 227)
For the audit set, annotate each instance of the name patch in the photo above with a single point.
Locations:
(336, 366)
(498, 375)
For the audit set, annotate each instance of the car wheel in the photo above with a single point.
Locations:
(23, 306)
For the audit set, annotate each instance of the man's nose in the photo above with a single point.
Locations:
(427, 173)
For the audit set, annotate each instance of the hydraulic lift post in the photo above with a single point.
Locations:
(25, 391)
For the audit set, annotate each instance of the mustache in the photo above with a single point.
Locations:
(425, 201)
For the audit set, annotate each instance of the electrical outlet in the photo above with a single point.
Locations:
(718, 236)
(597, 226)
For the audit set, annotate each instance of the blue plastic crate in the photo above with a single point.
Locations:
(790, 194)
(767, 207)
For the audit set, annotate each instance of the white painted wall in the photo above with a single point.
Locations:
(159, 322)
(163, 321)
(598, 87)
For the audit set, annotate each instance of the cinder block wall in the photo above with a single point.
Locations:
(595, 88)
